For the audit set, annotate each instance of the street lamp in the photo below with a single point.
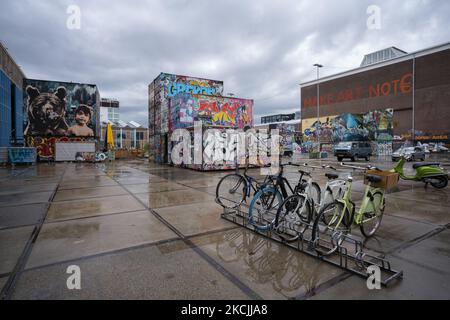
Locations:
(318, 104)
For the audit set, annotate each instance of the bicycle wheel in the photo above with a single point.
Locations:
(293, 211)
(262, 210)
(231, 191)
(371, 219)
(327, 237)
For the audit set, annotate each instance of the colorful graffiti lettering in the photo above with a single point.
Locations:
(176, 88)
(228, 112)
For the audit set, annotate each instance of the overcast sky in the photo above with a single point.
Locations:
(261, 49)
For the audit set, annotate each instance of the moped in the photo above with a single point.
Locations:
(431, 173)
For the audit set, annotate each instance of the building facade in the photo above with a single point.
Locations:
(278, 118)
(127, 135)
(415, 87)
(59, 111)
(11, 97)
(109, 110)
(177, 101)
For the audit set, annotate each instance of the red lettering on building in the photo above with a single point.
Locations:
(310, 102)
(405, 83)
(388, 88)
(374, 92)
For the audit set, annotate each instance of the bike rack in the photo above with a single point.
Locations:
(349, 255)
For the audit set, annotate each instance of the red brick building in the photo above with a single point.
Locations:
(415, 85)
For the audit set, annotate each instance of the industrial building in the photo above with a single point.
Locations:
(277, 118)
(414, 86)
(127, 135)
(109, 110)
(11, 102)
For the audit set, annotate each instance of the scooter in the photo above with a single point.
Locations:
(431, 173)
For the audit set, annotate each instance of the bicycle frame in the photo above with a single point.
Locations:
(328, 196)
(366, 203)
(348, 204)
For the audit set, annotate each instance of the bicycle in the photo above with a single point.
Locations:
(234, 188)
(269, 198)
(335, 220)
(301, 208)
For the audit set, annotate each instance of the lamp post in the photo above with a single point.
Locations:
(318, 104)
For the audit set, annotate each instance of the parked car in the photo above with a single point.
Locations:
(353, 150)
(410, 154)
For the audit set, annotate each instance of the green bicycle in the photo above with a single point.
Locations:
(335, 220)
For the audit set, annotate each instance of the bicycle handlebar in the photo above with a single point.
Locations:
(309, 166)
(321, 167)
(369, 167)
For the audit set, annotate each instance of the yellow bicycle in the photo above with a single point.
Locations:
(335, 220)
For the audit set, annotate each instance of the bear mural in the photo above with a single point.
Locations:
(61, 109)
(46, 112)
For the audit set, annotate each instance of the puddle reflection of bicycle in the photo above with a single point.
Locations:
(268, 262)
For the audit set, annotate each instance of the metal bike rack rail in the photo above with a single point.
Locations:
(348, 256)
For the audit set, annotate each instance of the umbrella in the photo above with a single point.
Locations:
(109, 139)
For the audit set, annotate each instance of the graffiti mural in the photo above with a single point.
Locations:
(45, 146)
(176, 102)
(375, 126)
(60, 109)
(215, 111)
(170, 86)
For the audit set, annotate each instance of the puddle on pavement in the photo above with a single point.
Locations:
(73, 230)
(173, 246)
(271, 269)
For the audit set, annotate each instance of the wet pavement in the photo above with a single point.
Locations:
(138, 230)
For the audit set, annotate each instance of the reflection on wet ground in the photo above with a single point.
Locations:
(145, 231)
(273, 270)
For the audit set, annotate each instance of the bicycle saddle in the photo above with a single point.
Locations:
(373, 179)
(424, 164)
(331, 176)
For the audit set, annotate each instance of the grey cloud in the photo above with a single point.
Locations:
(260, 49)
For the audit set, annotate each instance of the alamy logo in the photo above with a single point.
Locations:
(74, 280)
(374, 279)
(230, 147)
(374, 19)
(74, 20)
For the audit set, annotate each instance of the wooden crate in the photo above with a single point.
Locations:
(389, 180)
